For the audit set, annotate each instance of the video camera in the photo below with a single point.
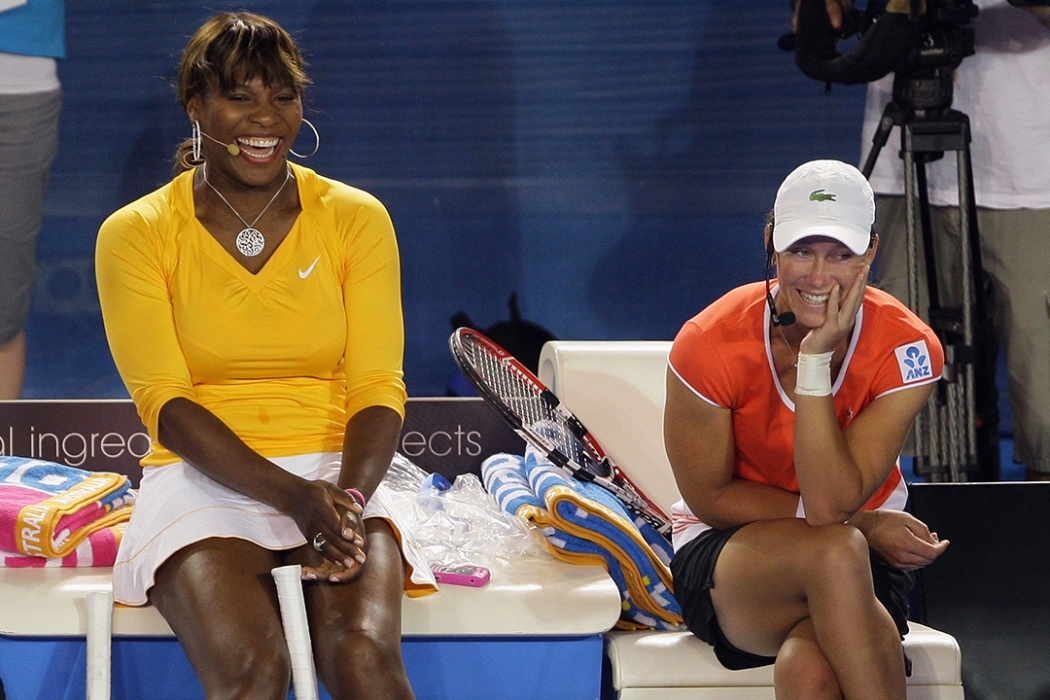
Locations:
(902, 36)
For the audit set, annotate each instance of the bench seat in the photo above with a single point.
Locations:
(528, 596)
(534, 631)
(678, 666)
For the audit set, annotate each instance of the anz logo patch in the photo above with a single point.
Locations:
(914, 362)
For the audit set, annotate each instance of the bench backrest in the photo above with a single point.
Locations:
(616, 389)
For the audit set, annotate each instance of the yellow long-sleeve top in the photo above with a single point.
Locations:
(284, 357)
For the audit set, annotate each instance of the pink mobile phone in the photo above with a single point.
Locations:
(462, 575)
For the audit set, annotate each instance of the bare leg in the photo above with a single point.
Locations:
(219, 598)
(356, 627)
(802, 672)
(774, 574)
(12, 367)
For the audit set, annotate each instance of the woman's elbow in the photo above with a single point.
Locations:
(819, 514)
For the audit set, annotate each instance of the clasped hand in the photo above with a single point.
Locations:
(332, 522)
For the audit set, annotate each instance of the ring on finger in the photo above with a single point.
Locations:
(319, 541)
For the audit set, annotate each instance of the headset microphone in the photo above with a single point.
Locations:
(231, 148)
(779, 319)
(785, 319)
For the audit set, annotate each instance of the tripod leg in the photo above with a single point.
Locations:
(983, 409)
(926, 221)
(956, 435)
(879, 138)
(927, 445)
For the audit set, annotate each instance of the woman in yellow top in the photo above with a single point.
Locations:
(253, 310)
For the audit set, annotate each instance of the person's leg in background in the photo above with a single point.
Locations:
(891, 274)
(1016, 258)
(28, 144)
(13, 367)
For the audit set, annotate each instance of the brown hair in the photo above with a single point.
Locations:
(228, 49)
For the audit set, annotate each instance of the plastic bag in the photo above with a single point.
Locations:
(457, 523)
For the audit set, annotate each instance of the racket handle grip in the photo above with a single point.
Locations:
(296, 630)
(99, 644)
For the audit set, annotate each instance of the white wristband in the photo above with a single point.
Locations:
(813, 375)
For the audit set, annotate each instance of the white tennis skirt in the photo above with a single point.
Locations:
(177, 505)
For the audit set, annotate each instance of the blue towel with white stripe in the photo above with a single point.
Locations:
(585, 524)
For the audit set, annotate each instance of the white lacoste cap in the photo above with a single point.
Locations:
(824, 198)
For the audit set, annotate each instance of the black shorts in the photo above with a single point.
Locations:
(693, 570)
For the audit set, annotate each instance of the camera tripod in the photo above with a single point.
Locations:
(956, 434)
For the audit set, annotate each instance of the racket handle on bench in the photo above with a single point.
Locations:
(99, 644)
(296, 630)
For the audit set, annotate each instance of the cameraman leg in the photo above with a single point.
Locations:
(891, 223)
(1016, 258)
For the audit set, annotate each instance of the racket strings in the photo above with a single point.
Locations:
(524, 398)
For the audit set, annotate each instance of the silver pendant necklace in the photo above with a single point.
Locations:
(250, 241)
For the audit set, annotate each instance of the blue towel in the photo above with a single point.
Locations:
(585, 524)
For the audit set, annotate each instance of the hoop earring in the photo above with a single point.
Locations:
(317, 139)
(196, 141)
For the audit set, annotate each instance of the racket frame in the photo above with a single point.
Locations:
(601, 470)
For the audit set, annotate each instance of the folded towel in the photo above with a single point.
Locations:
(49, 510)
(585, 524)
(98, 549)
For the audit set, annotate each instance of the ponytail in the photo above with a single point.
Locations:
(184, 158)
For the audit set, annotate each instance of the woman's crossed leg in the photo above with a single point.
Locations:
(805, 595)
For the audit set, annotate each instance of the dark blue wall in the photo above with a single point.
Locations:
(608, 160)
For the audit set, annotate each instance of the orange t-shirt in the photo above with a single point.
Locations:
(723, 355)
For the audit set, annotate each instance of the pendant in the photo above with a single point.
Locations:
(250, 242)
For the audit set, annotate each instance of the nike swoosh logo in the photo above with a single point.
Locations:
(303, 274)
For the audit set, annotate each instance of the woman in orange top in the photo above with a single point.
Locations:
(784, 419)
(253, 310)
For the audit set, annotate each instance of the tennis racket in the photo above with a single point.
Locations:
(296, 630)
(542, 420)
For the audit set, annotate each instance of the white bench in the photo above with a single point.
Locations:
(525, 597)
(535, 631)
(616, 388)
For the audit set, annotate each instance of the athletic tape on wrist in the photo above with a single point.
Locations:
(813, 376)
